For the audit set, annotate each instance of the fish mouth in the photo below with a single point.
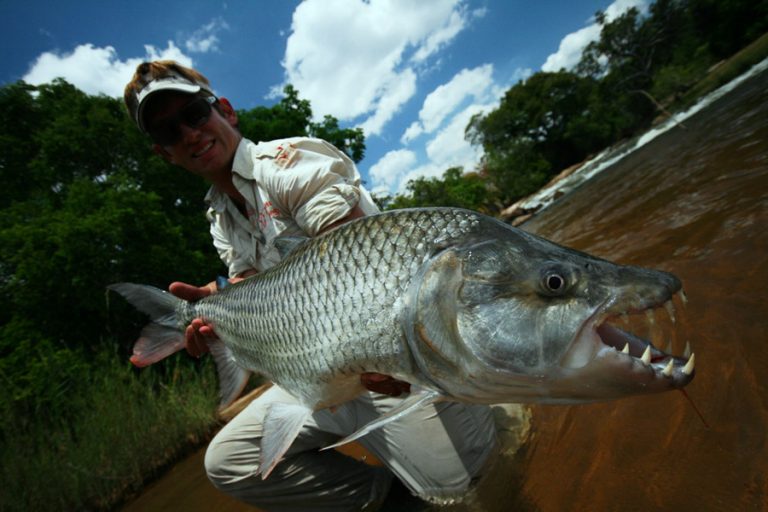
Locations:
(608, 337)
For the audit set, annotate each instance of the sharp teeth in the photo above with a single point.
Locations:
(626, 349)
(667, 371)
(646, 357)
(688, 368)
(683, 297)
(687, 352)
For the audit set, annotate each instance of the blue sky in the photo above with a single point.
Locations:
(409, 72)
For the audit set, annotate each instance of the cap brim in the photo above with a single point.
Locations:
(157, 86)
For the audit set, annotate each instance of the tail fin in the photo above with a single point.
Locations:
(163, 336)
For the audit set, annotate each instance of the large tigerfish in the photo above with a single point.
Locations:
(460, 305)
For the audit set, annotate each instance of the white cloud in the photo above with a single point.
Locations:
(402, 87)
(357, 59)
(96, 70)
(413, 131)
(569, 52)
(205, 39)
(571, 46)
(445, 114)
(445, 99)
(386, 173)
(448, 148)
(619, 7)
(441, 36)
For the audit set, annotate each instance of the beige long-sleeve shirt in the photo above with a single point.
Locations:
(292, 187)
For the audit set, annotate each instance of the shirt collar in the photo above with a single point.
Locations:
(242, 165)
(215, 199)
(243, 162)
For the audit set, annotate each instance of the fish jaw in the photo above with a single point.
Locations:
(483, 328)
(606, 362)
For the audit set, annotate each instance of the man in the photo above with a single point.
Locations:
(297, 186)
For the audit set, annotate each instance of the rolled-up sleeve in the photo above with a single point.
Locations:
(316, 183)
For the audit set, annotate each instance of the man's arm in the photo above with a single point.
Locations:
(355, 213)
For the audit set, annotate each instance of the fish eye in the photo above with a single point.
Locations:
(554, 282)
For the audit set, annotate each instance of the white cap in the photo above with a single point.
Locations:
(172, 82)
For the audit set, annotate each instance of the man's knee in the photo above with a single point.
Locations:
(224, 466)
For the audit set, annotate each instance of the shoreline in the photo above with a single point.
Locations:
(722, 78)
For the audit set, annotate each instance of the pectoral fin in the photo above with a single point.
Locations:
(281, 426)
(232, 377)
(416, 400)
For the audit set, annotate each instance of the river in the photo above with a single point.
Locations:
(693, 201)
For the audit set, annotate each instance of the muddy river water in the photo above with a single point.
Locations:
(694, 202)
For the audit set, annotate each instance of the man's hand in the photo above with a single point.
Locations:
(197, 333)
(384, 384)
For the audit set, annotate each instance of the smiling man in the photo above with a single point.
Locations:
(295, 187)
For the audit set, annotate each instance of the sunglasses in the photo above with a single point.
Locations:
(194, 114)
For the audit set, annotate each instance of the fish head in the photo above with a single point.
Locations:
(505, 316)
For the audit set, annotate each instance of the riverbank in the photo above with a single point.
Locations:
(121, 430)
(721, 79)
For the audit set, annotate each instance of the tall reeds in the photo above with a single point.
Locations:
(105, 438)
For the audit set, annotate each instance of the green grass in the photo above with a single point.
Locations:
(118, 433)
(727, 70)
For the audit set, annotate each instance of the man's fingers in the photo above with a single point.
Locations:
(374, 377)
(196, 336)
(189, 292)
(384, 384)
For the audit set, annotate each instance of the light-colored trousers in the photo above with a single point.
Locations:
(436, 452)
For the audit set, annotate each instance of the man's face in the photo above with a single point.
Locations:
(206, 150)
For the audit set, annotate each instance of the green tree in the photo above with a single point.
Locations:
(542, 125)
(726, 26)
(85, 202)
(292, 117)
(455, 188)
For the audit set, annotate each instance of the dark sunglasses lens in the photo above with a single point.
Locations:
(196, 113)
(193, 115)
(166, 134)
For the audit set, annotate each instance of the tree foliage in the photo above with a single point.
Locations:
(454, 189)
(292, 117)
(84, 202)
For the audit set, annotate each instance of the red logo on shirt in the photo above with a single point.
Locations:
(285, 155)
(268, 211)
